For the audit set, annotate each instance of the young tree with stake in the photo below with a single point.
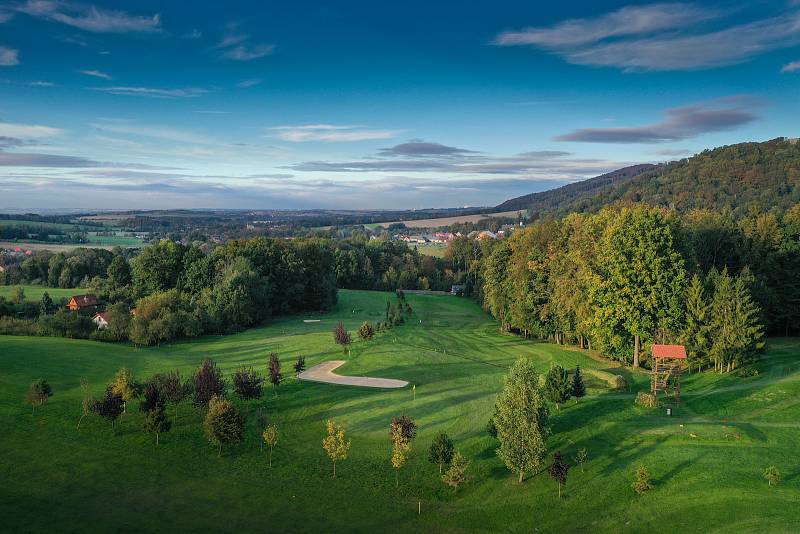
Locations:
(223, 423)
(558, 471)
(335, 443)
(270, 436)
(38, 393)
(275, 376)
(456, 475)
(441, 451)
(342, 337)
(401, 446)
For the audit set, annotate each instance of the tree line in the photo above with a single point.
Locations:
(624, 278)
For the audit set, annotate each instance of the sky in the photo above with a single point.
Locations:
(361, 104)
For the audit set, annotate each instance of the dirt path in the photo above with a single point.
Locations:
(323, 372)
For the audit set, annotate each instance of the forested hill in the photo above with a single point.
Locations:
(762, 176)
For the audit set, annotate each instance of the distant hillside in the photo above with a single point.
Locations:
(763, 176)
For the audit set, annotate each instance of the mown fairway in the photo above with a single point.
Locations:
(706, 463)
(34, 293)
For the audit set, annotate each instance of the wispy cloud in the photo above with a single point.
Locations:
(41, 83)
(27, 131)
(96, 74)
(673, 152)
(794, 66)
(235, 46)
(166, 133)
(153, 92)
(329, 133)
(90, 18)
(675, 38)
(252, 82)
(8, 57)
(679, 123)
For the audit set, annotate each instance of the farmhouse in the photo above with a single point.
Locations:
(83, 303)
(101, 320)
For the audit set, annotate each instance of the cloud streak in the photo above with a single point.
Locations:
(675, 39)
(329, 133)
(679, 123)
(96, 74)
(235, 46)
(794, 66)
(90, 18)
(153, 92)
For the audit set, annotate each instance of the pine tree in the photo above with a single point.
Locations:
(300, 365)
(696, 331)
(578, 387)
(522, 420)
(46, 305)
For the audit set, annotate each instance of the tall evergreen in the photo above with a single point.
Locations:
(696, 331)
(578, 387)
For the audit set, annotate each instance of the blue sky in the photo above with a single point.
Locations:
(350, 104)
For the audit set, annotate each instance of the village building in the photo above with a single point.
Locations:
(101, 320)
(83, 303)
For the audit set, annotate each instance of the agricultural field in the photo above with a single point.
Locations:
(431, 250)
(447, 221)
(706, 461)
(116, 240)
(34, 293)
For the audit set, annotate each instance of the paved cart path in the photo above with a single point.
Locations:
(323, 372)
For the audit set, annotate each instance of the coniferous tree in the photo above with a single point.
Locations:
(696, 331)
(522, 420)
(46, 306)
(300, 365)
(578, 387)
(441, 451)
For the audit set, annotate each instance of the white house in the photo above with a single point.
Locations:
(101, 320)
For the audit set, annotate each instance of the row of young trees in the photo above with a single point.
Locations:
(624, 278)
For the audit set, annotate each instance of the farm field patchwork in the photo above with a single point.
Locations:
(706, 461)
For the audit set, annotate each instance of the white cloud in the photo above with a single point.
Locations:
(90, 18)
(152, 131)
(329, 133)
(152, 92)
(248, 53)
(673, 42)
(34, 131)
(8, 57)
(794, 66)
(41, 83)
(244, 84)
(96, 74)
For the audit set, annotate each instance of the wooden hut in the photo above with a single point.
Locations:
(667, 368)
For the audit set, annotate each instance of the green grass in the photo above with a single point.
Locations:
(432, 250)
(114, 240)
(34, 293)
(55, 476)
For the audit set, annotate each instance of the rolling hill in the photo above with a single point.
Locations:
(763, 176)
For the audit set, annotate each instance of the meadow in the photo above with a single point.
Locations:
(706, 461)
(34, 292)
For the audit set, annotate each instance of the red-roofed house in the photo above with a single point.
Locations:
(101, 320)
(83, 303)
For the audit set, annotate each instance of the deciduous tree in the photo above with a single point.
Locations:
(401, 446)
(558, 471)
(441, 451)
(38, 393)
(335, 443)
(772, 475)
(208, 382)
(125, 385)
(275, 376)
(110, 406)
(342, 337)
(223, 423)
(247, 383)
(300, 365)
(522, 420)
(456, 475)
(270, 436)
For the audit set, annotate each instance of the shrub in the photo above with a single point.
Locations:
(620, 382)
(746, 372)
(366, 331)
(772, 475)
(641, 483)
(12, 326)
(647, 400)
(247, 383)
(65, 323)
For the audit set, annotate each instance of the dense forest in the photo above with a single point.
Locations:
(621, 279)
(745, 178)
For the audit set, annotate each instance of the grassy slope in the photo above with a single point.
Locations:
(34, 293)
(89, 480)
